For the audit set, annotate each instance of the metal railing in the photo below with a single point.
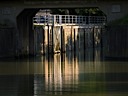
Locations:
(69, 19)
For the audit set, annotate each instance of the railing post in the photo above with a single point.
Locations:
(60, 19)
(75, 19)
(69, 19)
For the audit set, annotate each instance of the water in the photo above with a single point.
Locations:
(80, 74)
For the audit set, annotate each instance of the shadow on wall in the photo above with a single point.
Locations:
(6, 23)
(116, 41)
(7, 44)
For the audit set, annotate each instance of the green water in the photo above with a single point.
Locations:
(81, 74)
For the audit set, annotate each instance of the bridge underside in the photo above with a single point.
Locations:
(27, 41)
(25, 38)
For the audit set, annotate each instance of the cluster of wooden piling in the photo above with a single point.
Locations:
(56, 39)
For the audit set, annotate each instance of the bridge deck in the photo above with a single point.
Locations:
(68, 20)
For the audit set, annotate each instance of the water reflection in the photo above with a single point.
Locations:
(73, 74)
(84, 73)
(60, 74)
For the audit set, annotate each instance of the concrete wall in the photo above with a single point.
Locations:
(8, 31)
(114, 10)
(21, 22)
(116, 41)
(7, 44)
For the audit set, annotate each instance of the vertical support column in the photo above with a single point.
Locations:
(93, 43)
(48, 38)
(31, 42)
(65, 39)
(52, 28)
(62, 40)
(74, 40)
(71, 39)
(35, 40)
(84, 38)
(43, 37)
(93, 40)
(78, 39)
(81, 39)
(100, 37)
(101, 40)
(102, 47)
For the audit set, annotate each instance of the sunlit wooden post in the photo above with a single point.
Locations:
(74, 40)
(48, 37)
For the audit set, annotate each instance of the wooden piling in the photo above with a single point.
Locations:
(43, 31)
(52, 28)
(62, 40)
(71, 39)
(74, 40)
(45, 39)
(35, 43)
(48, 38)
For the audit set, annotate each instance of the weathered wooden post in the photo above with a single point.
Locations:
(35, 40)
(93, 43)
(84, 38)
(43, 44)
(74, 41)
(48, 38)
(62, 40)
(45, 39)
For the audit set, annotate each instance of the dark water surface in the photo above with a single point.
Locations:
(80, 74)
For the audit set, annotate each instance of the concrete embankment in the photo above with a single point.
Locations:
(116, 41)
(7, 44)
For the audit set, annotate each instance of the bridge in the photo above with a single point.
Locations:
(16, 20)
(60, 33)
(67, 20)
